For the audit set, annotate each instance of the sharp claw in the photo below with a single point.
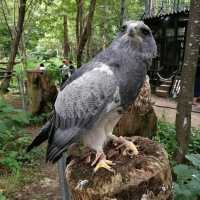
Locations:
(130, 147)
(119, 146)
(106, 164)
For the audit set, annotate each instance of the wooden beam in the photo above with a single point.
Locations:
(5, 63)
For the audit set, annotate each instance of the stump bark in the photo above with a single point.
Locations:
(135, 122)
(140, 119)
(41, 91)
(146, 176)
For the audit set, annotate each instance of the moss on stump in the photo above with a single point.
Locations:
(146, 176)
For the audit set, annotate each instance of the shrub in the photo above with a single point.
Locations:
(187, 176)
(187, 185)
(13, 138)
(2, 197)
(166, 135)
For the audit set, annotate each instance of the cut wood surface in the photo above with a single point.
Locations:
(146, 176)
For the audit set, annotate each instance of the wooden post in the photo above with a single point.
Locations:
(40, 91)
(146, 176)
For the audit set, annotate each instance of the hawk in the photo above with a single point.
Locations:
(94, 98)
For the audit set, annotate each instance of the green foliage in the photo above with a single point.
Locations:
(194, 146)
(42, 54)
(187, 176)
(4, 41)
(39, 120)
(11, 118)
(13, 139)
(2, 197)
(52, 67)
(187, 185)
(194, 159)
(166, 135)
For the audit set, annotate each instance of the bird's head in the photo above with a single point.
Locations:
(137, 37)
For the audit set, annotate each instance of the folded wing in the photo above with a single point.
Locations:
(78, 106)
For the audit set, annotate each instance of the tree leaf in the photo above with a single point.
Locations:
(183, 172)
(194, 159)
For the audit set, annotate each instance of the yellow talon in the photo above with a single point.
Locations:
(130, 147)
(104, 164)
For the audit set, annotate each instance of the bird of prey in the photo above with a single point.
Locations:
(94, 98)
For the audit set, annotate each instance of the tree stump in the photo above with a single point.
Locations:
(140, 118)
(146, 176)
(137, 123)
(41, 91)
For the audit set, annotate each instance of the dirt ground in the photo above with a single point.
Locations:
(44, 188)
(166, 110)
(44, 185)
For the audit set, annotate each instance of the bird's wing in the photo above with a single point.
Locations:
(79, 105)
(76, 74)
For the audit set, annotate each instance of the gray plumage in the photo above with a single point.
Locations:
(91, 102)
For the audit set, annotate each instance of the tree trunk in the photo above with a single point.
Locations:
(85, 33)
(146, 7)
(20, 77)
(122, 12)
(66, 41)
(88, 46)
(183, 116)
(79, 20)
(146, 176)
(14, 46)
(152, 7)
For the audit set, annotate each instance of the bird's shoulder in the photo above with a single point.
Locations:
(101, 75)
(88, 95)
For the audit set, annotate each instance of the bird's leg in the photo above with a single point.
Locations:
(87, 156)
(130, 148)
(102, 162)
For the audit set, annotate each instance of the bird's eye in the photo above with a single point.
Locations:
(123, 28)
(145, 31)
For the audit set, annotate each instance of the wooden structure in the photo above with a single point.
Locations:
(162, 7)
(41, 92)
(3, 70)
(170, 32)
(168, 20)
(146, 176)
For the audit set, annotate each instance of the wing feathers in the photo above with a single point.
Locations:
(78, 106)
(61, 140)
(42, 136)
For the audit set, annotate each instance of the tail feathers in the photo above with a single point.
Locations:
(42, 136)
(61, 141)
(55, 154)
